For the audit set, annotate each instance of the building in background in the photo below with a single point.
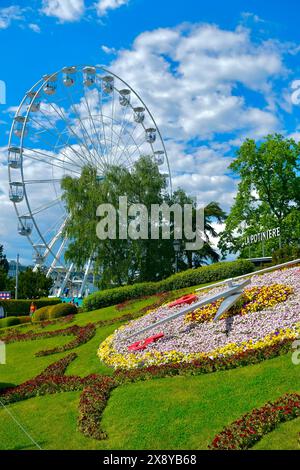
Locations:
(12, 268)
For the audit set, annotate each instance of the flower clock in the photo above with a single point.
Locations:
(265, 317)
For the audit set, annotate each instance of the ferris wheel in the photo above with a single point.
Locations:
(78, 116)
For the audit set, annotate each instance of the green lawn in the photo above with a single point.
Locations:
(170, 413)
(285, 437)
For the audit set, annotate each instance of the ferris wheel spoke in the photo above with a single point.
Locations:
(100, 95)
(52, 180)
(44, 207)
(122, 127)
(78, 155)
(126, 144)
(112, 125)
(122, 152)
(81, 144)
(53, 228)
(130, 155)
(30, 156)
(84, 131)
(50, 233)
(99, 145)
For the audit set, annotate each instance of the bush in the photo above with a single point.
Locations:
(22, 307)
(9, 321)
(41, 314)
(286, 253)
(192, 277)
(61, 310)
(54, 311)
(24, 319)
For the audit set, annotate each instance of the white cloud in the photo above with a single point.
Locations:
(64, 10)
(34, 27)
(10, 14)
(103, 6)
(193, 78)
(108, 50)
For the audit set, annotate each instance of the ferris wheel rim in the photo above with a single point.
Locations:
(36, 89)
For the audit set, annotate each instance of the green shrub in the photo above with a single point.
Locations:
(286, 253)
(9, 321)
(54, 311)
(24, 319)
(22, 307)
(192, 277)
(61, 310)
(41, 314)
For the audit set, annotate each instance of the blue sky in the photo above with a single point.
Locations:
(212, 74)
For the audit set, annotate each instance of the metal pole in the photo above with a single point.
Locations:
(260, 271)
(17, 277)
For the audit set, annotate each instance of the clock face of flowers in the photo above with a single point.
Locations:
(267, 313)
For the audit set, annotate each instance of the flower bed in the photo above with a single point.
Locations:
(93, 400)
(255, 299)
(269, 325)
(250, 428)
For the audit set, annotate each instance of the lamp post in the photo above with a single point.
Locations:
(176, 245)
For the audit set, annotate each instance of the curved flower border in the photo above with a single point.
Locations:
(243, 433)
(112, 358)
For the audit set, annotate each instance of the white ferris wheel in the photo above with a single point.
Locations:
(77, 116)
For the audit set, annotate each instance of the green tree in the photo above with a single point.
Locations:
(268, 194)
(123, 261)
(212, 213)
(5, 282)
(33, 284)
(3, 261)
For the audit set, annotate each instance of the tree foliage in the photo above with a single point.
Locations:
(268, 194)
(6, 283)
(122, 261)
(3, 261)
(33, 284)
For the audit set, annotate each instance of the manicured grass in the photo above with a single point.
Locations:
(285, 437)
(187, 412)
(171, 413)
(21, 364)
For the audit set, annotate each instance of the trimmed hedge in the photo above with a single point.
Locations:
(22, 307)
(191, 277)
(62, 310)
(285, 254)
(12, 321)
(41, 314)
(54, 311)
